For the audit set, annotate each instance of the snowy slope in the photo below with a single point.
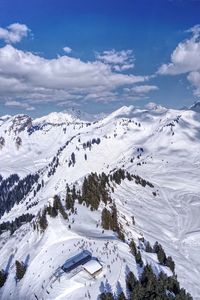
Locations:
(159, 144)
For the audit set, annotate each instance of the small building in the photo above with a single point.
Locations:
(93, 267)
(76, 261)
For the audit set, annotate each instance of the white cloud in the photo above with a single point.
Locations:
(119, 60)
(69, 104)
(14, 103)
(185, 59)
(195, 30)
(186, 56)
(144, 89)
(67, 49)
(62, 72)
(194, 79)
(151, 105)
(14, 33)
(33, 78)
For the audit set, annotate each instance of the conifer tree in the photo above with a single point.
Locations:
(3, 277)
(20, 269)
(105, 219)
(148, 278)
(133, 247)
(73, 158)
(114, 221)
(69, 202)
(161, 256)
(148, 247)
(138, 259)
(131, 281)
(121, 296)
(53, 212)
(170, 263)
(57, 206)
(107, 296)
(43, 221)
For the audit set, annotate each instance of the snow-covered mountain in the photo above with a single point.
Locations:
(196, 107)
(160, 150)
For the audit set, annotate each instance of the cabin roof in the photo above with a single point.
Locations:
(92, 266)
(74, 259)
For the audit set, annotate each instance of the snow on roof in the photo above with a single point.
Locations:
(92, 266)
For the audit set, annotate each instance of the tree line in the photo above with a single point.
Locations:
(13, 190)
(17, 223)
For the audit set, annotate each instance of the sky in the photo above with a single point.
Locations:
(97, 56)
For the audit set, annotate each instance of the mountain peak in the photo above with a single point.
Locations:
(57, 118)
(195, 107)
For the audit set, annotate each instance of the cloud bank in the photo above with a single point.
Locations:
(28, 78)
(185, 59)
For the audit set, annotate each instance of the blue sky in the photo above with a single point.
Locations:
(117, 53)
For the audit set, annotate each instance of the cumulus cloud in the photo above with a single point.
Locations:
(194, 79)
(34, 79)
(67, 49)
(17, 104)
(14, 33)
(62, 72)
(144, 89)
(185, 59)
(119, 60)
(27, 79)
(138, 92)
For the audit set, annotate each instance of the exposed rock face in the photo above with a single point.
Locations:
(18, 142)
(20, 123)
(2, 142)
